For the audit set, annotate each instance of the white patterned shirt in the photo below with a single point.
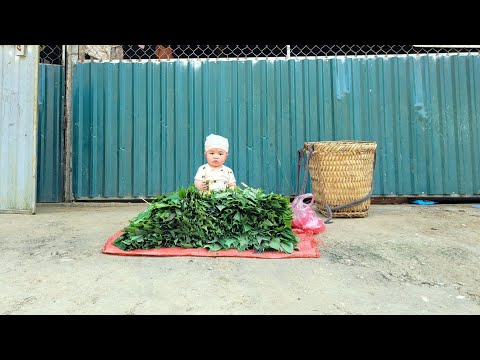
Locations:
(217, 179)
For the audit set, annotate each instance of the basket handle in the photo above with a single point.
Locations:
(301, 153)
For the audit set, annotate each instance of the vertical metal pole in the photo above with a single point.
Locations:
(80, 53)
(36, 54)
(64, 53)
(72, 58)
(288, 51)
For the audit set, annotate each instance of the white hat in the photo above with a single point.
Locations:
(216, 142)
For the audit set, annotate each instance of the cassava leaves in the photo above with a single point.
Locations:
(232, 219)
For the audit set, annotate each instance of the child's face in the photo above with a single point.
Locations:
(216, 157)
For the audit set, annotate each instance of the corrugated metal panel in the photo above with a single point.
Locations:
(18, 126)
(50, 133)
(139, 128)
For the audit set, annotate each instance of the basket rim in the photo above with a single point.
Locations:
(342, 146)
(341, 141)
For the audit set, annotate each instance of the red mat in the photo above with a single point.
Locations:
(307, 248)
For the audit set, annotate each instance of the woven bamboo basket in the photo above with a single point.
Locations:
(341, 172)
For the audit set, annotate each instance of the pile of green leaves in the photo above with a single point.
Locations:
(232, 219)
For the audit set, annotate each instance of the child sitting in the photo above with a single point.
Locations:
(214, 175)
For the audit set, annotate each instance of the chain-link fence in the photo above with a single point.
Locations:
(166, 52)
(53, 54)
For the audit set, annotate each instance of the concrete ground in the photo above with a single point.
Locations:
(401, 259)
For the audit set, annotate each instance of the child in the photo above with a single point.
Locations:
(214, 175)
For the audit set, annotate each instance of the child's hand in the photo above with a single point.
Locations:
(203, 186)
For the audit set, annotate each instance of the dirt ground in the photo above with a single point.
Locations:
(401, 259)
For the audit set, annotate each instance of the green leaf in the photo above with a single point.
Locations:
(213, 247)
(119, 244)
(137, 238)
(267, 223)
(229, 242)
(287, 247)
(170, 217)
(246, 227)
(275, 244)
(243, 241)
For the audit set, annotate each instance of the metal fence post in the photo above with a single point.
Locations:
(72, 58)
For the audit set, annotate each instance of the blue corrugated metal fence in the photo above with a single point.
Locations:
(50, 152)
(139, 128)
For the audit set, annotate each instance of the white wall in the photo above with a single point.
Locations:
(18, 127)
